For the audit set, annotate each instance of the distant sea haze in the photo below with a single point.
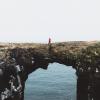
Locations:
(56, 83)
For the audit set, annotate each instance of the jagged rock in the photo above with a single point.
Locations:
(83, 56)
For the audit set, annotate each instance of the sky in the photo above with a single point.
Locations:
(37, 20)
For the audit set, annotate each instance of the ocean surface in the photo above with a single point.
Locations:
(58, 82)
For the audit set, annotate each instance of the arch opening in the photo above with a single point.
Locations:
(58, 82)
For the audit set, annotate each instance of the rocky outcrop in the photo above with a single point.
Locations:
(17, 61)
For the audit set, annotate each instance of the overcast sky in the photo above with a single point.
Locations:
(37, 20)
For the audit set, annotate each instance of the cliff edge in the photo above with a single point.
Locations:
(18, 60)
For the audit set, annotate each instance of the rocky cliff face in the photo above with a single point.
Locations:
(17, 61)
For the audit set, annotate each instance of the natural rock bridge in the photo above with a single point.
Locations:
(17, 61)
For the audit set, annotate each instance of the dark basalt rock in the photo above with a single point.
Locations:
(17, 61)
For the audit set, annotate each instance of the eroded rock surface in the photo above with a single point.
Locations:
(17, 61)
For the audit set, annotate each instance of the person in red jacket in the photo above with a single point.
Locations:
(49, 42)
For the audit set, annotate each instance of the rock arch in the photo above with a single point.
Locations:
(82, 56)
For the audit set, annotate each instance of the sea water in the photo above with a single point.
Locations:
(58, 82)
